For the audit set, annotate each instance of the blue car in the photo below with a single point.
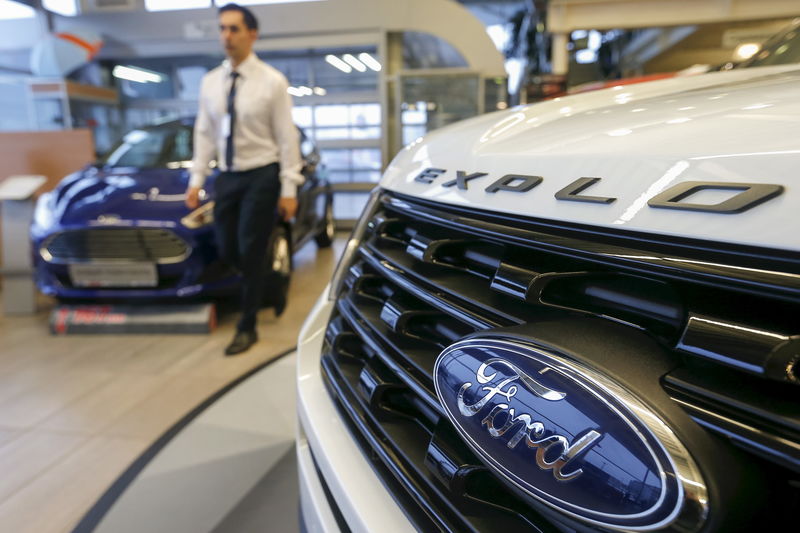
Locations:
(118, 229)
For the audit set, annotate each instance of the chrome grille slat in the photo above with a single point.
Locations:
(412, 283)
(383, 346)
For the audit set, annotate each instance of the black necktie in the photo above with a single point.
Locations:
(232, 114)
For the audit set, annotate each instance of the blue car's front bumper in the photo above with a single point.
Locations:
(197, 272)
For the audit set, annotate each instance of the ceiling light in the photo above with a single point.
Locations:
(294, 91)
(746, 50)
(585, 56)
(319, 91)
(338, 63)
(68, 8)
(262, 2)
(136, 74)
(171, 5)
(305, 90)
(355, 63)
(369, 61)
(14, 10)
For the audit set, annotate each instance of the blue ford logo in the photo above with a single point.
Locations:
(564, 434)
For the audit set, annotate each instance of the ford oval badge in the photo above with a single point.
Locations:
(567, 435)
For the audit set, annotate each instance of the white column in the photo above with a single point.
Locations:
(560, 54)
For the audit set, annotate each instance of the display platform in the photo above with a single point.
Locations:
(126, 319)
(226, 467)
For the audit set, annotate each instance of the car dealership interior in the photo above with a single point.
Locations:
(487, 192)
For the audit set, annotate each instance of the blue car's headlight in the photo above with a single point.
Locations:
(202, 216)
(44, 213)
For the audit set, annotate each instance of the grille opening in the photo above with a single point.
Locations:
(652, 306)
(116, 244)
(481, 259)
(756, 312)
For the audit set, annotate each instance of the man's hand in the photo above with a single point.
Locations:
(287, 208)
(193, 197)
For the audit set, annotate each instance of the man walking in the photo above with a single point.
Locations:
(245, 119)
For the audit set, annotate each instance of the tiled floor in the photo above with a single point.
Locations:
(75, 411)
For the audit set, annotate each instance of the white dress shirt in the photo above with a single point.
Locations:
(264, 131)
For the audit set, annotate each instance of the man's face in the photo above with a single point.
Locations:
(236, 38)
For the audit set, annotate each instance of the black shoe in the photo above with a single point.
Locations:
(241, 342)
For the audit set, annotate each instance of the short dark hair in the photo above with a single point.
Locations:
(250, 20)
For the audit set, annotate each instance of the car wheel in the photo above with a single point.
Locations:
(325, 237)
(278, 270)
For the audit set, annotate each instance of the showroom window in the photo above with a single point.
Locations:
(347, 121)
(352, 164)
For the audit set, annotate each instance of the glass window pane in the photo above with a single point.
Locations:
(15, 108)
(365, 114)
(331, 115)
(302, 116)
(332, 133)
(349, 206)
(189, 79)
(182, 147)
(424, 50)
(339, 176)
(365, 133)
(370, 176)
(335, 159)
(366, 158)
(415, 116)
(296, 69)
(443, 99)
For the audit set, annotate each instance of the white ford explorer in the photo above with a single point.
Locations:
(580, 315)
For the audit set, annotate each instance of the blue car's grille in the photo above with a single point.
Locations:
(115, 244)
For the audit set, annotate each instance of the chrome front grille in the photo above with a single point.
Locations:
(156, 245)
(427, 275)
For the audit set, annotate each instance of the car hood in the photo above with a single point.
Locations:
(738, 126)
(97, 196)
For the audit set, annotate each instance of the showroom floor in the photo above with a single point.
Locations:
(76, 411)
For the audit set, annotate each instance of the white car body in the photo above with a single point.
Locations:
(639, 139)
(737, 126)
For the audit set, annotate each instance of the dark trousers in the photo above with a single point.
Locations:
(244, 215)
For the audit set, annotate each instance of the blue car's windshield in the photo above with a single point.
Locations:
(151, 148)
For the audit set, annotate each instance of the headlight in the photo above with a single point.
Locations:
(202, 216)
(44, 213)
(353, 243)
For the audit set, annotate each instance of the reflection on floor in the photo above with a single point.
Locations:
(230, 470)
(75, 411)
